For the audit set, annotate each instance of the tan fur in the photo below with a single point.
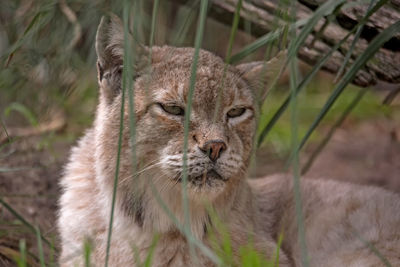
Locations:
(253, 212)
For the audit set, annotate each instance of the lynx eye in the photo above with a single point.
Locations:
(173, 109)
(236, 112)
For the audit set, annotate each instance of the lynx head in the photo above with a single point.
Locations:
(222, 119)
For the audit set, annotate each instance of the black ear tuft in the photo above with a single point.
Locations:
(100, 71)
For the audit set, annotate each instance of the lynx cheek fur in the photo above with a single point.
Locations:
(336, 215)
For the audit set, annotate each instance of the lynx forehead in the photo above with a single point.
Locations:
(169, 82)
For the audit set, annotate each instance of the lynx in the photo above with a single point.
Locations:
(345, 224)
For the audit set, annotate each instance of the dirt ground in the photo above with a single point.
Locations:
(368, 153)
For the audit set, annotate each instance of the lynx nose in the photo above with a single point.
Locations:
(214, 148)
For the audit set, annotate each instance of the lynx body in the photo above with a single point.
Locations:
(339, 218)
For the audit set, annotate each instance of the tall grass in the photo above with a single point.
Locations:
(188, 109)
(80, 55)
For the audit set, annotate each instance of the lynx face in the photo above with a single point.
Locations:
(219, 135)
(221, 126)
(220, 131)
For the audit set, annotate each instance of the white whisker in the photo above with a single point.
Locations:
(148, 167)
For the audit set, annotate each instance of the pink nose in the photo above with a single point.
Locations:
(213, 148)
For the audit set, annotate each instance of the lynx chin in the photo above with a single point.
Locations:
(345, 224)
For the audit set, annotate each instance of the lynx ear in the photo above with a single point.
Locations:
(110, 41)
(110, 53)
(263, 75)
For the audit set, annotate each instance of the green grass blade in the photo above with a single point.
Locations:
(136, 256)
(115, 180)
(374, 46)
(128, 73)
(278, 249)
(151, 39)
(206, 251)
(140, 19)
(23, 110)
(184, 27)
(153, 22)
(263, 40)
(333, 128)
(150, 254)
(373, 249)
(22, 219)
(198, 41)
(328, 19)
(281, 12)
(323, 10)
(87, 250)
(40, 247)
(388, 99)
(295, 163)
(14, 169)
(294, 45)
(152, 32)
(126, 13)
(222, 244)
(235, 24)
(52, 252)
(308, 24)
(21, 262)
(353, 43)
(3, 125)
(234, 28)
(36, 19)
